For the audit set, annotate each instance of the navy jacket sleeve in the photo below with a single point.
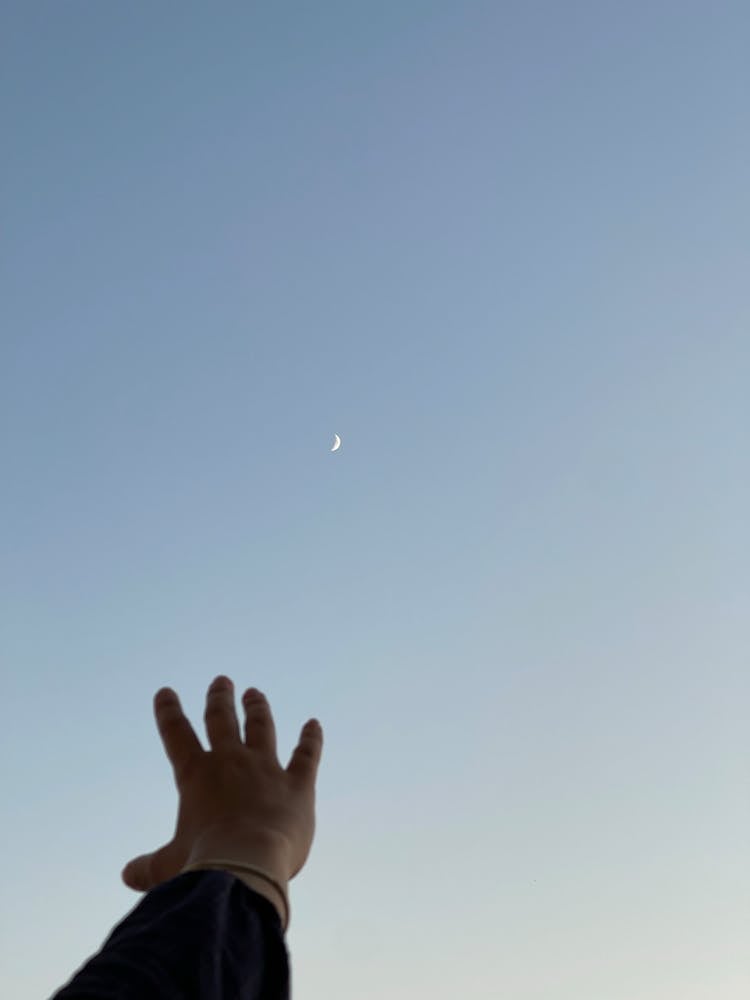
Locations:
(203, 935)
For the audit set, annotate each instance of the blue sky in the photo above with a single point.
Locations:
(501, 249)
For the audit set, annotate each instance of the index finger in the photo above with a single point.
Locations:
(178, 736)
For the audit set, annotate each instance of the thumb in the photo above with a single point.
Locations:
(147, 870)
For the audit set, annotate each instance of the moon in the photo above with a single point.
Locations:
(336, 442)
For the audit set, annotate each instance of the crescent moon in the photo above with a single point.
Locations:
(336, 442)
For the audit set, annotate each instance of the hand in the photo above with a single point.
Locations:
(236, 801)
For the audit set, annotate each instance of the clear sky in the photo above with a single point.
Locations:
(502, 250)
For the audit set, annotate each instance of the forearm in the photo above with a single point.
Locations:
(200, 936)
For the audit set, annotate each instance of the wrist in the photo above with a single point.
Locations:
(230, 849)
(267, 851)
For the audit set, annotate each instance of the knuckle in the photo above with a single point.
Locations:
(170, 718)
(214, 710)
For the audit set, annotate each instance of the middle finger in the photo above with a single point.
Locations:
(220, 716)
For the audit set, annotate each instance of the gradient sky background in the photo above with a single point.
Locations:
(501, 249)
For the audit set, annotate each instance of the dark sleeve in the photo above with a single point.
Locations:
(203, 935)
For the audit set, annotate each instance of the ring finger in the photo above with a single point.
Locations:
(260, 731)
